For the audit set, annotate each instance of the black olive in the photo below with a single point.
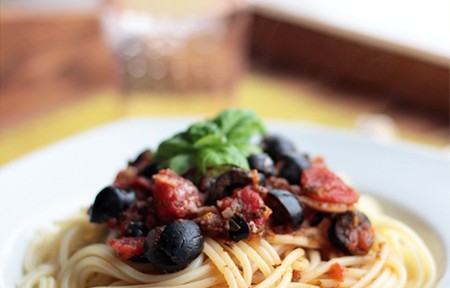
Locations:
(211, 174)
(261, 162)
(291, 167)
(276, 146)
(239, 228)
(226, 183)
(155, 255)
(317, 218)
(144, 155)
(149, 170)
(286, 207)
(109, 203)
(182, 241)
(205, 183)
(216, 171)
(171, 248)
(139, 258)
(262, 180)
(352, 233)
(135, 229)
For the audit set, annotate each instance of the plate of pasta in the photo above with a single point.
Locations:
(227, 201)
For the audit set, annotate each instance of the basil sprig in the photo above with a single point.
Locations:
(224, 140)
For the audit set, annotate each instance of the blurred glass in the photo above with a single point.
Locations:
(177, 45)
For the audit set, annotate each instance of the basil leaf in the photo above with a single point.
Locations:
(201, 129)
(210, 140)
(239, 125)
(172, 147)
(227, 154)
(225, 140)
(246, 148)
(180, 163)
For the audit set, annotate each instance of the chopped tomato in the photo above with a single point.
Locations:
(249, 203)
(321, 184)
(175, 197)
(127, 247)
(336, 272)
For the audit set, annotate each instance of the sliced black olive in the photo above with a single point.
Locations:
(317, 218)
(139, 258)
(352, 233)
(262, 180)
(291, 167)
(135, 229)
(239, 228)
(216, 171)
(145, 155)
(226, 183)
(171, 248)
(155, 255)
(149, 170)
(211, 174)
(110, 202)
(276, 146)
(261, 162)
(286, 208)
(182, 241)
(205, 183)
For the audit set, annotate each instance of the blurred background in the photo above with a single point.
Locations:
(381, 67)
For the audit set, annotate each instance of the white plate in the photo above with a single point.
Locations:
(59, 179)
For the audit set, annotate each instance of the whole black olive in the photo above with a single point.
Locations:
(352, 233)
(291, 167)
(286, 207)
(226, 183)
(171, 248)
(239, 228)
(110, 202)
(276, 146)
(261, 162)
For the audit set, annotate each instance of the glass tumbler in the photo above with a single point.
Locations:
(177, 45)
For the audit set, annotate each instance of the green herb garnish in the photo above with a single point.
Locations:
(224, 140)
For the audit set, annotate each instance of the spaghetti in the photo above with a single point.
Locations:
(75, 256)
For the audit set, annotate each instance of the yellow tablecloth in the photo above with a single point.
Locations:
(266, 96)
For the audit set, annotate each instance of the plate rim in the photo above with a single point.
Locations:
(409, 147)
